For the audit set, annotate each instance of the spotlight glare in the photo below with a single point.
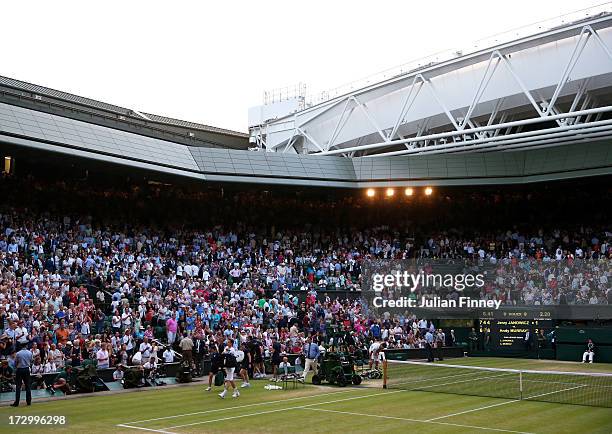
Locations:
(428, 191)
(390, 192)
(409, 191)
(371, 192)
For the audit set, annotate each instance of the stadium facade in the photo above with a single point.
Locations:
(535, 108)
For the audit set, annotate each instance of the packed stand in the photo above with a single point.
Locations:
(121, 283)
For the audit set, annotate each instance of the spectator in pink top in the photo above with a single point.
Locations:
(171, 327)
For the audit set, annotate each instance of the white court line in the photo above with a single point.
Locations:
(237, 407)
(309, 407)
(430, 379)
(122, 425)
(418, 420)
(281, 409)
(504, 403)
(564, 383)
(462, 381)
(556, 391)
(474, 409)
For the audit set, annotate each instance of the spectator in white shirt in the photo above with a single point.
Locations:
(118, 373)
(150, 364)
(21, 333)
(168, 355)
(58, 356)
(116, 321)
(49, 367)
(145, 348)
(284, 364)
(102, 356)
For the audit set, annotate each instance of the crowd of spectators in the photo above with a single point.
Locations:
(514, 280)
(105, 275)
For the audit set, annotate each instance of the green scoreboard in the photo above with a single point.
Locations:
(514, 330)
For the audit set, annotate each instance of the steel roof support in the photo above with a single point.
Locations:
(470, 131)
(493, 141)
(459, 131)
(410, 98)
(482, 87)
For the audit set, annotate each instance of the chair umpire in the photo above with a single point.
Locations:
(23, 363)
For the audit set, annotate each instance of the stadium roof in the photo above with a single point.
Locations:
(44, 120)
(54, 101)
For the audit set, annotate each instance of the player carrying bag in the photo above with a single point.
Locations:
(229, 363)
(229, 360)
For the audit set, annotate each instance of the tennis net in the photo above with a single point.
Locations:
(579, 388)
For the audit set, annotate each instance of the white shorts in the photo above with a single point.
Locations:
(229, 374)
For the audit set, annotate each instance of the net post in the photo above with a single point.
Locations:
(384, 373)
(521, 384)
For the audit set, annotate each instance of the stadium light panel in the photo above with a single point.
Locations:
(390, 192)
(409, 191)
(428, 191)
(371, 192)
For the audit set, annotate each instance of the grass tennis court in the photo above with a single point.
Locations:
(556, 385)
(367, 408)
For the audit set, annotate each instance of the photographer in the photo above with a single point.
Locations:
(62, 381)
(118, 373)
(150, 368)
(6, 377)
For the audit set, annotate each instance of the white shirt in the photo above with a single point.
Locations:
(128, 341)
(49, 367)
(230, 350)
(137, 359)
(150, 365)
(58, 357)
(102, 356)
(116, 321)
(145, 349)
(374, 347)
(168, 356)
(21, 335)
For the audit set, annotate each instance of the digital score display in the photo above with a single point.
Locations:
(511, 333)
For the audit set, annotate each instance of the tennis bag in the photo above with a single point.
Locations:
(220, 378)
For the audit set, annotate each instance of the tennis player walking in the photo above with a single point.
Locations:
(229, 363)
